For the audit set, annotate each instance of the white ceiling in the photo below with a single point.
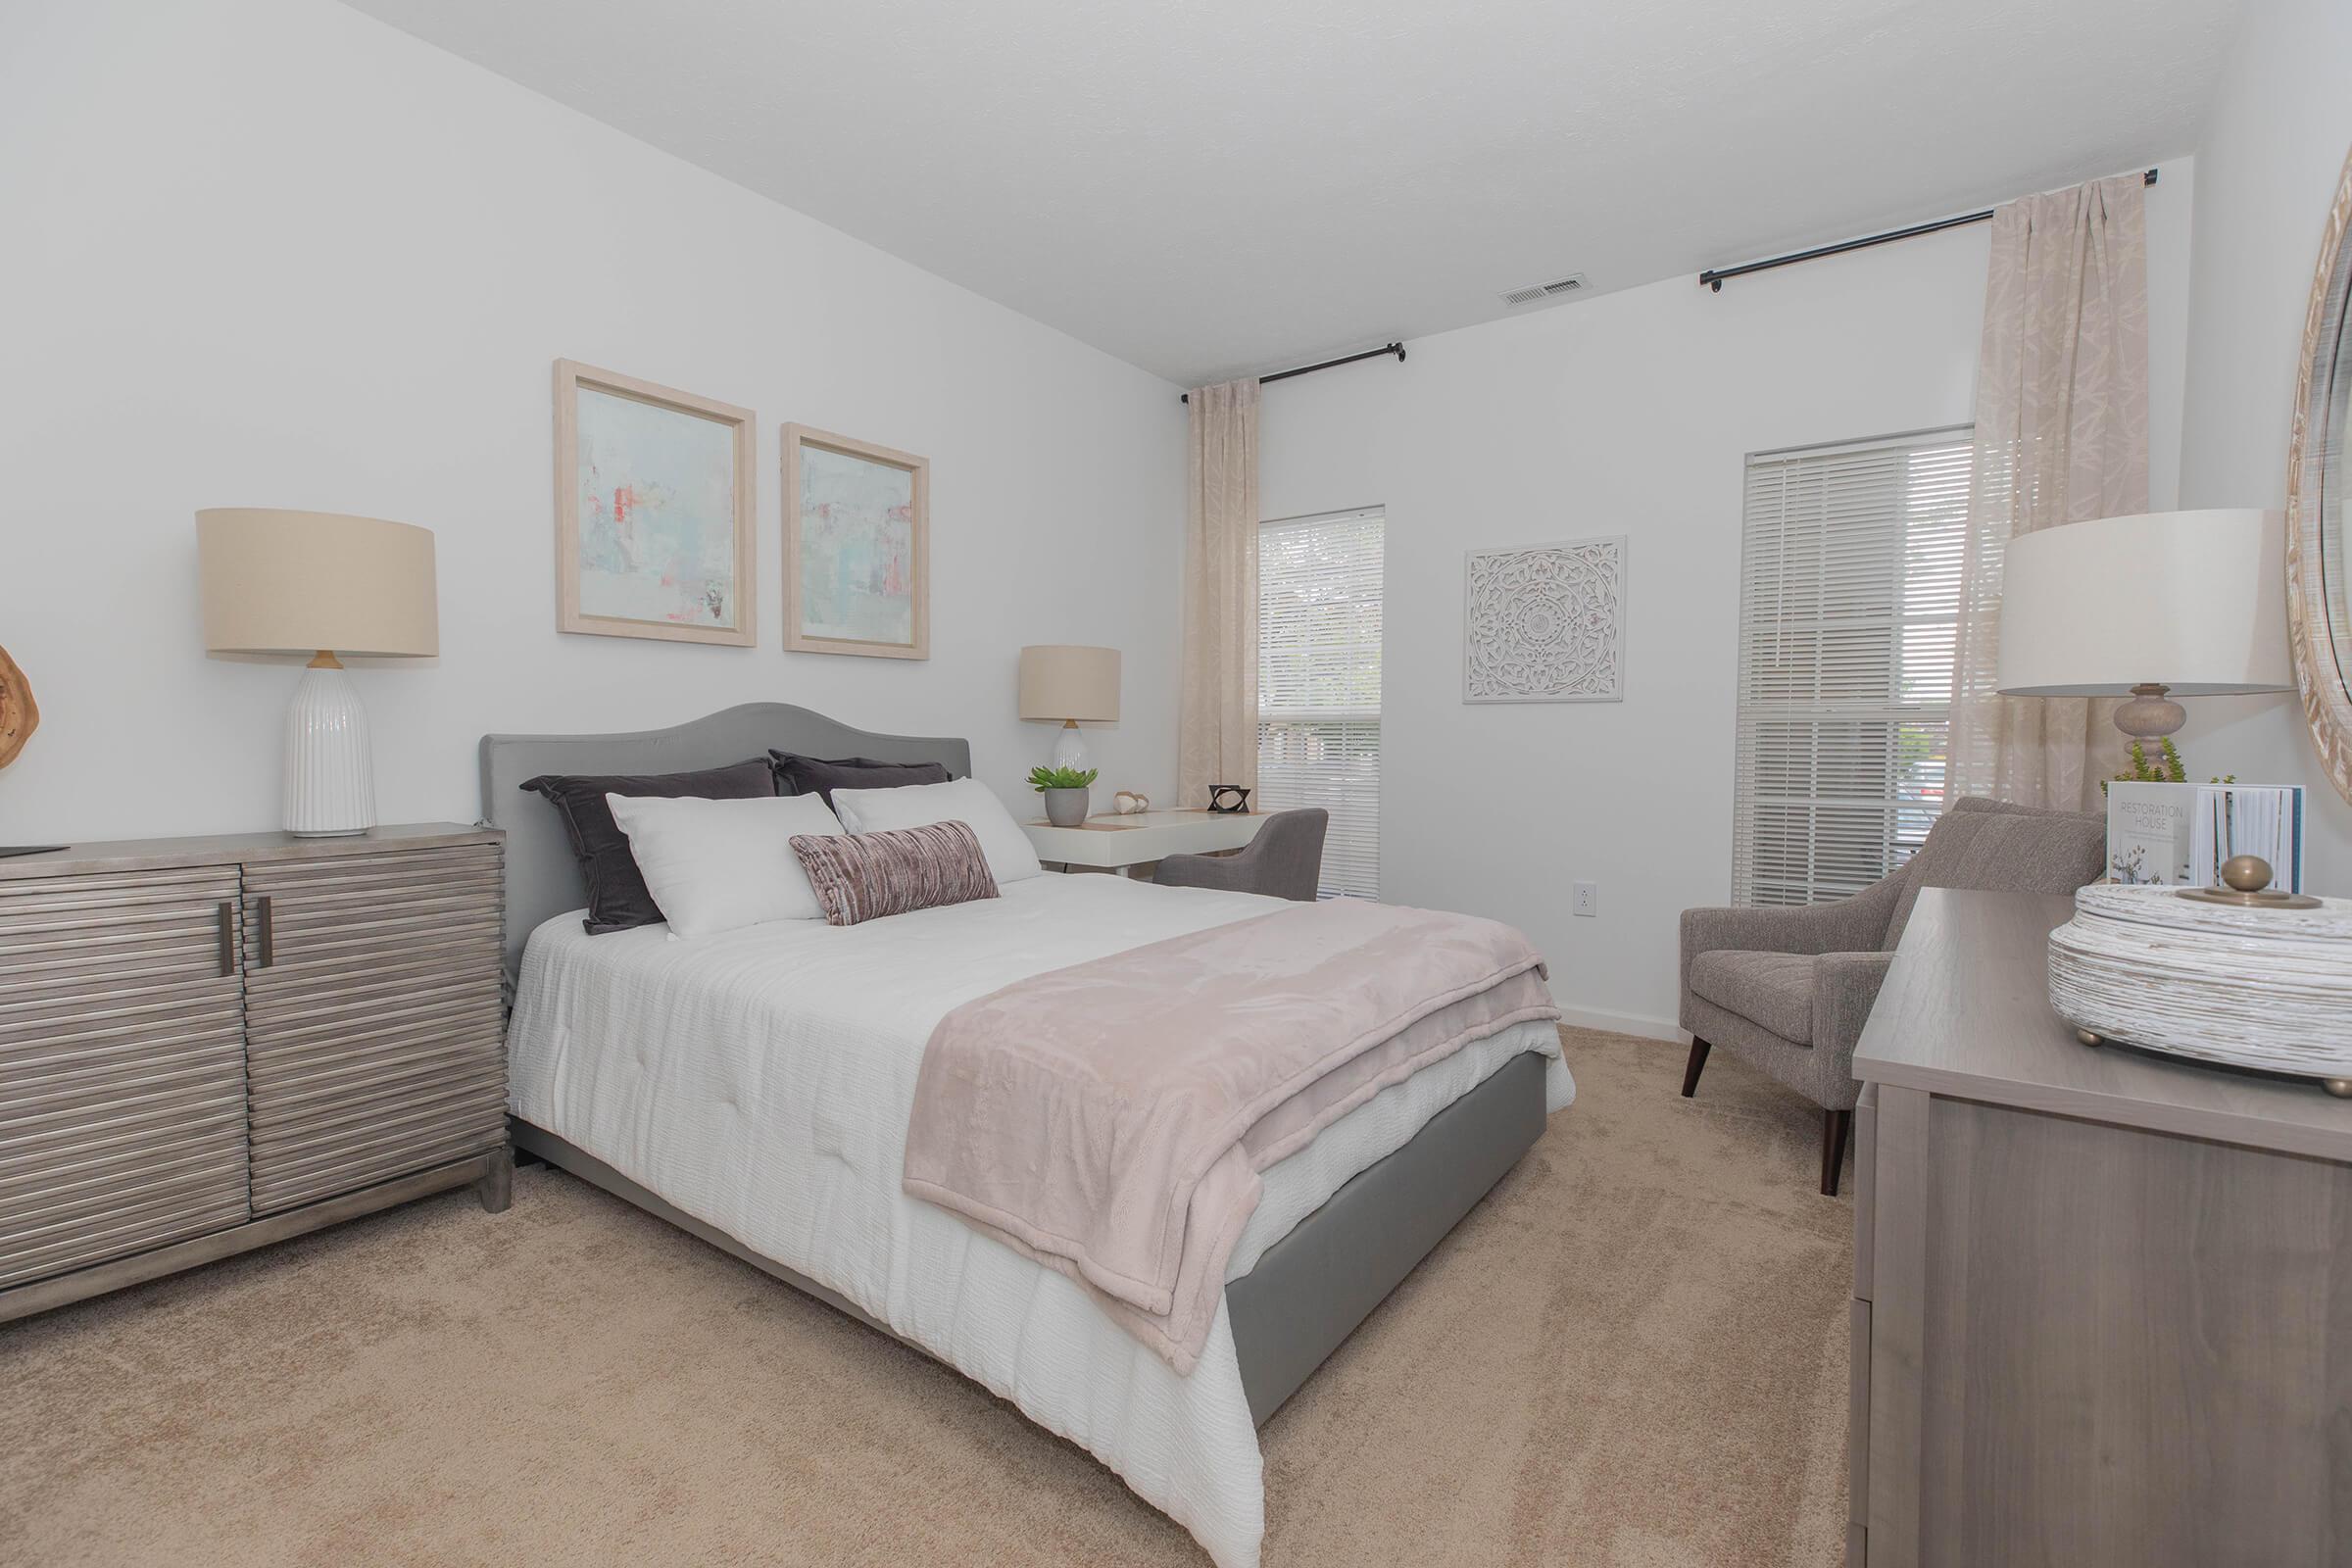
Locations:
(1208, 187)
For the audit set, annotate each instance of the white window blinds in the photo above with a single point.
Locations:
(1849, 585)
(1318, 684)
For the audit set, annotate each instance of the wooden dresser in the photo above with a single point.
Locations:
(2102, 1301)
(210, 1044)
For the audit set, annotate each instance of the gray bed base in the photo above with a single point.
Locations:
(1313, 1288)
(1308, 1292)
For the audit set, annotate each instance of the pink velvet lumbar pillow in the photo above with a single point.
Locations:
(864, 876)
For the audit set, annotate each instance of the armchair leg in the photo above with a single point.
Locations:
(1834, 1125)
(1698, 1064)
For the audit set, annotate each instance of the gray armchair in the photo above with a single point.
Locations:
(1789, 990)
(1285, 860)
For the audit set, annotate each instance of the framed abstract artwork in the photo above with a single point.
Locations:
(857, 546)
(655, 514)
(1544, 624)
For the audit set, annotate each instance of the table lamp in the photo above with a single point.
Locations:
(317, 583)
(2152, 606)
(1070, 685)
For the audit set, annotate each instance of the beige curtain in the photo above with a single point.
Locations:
(1216, 735)
(2061, 436)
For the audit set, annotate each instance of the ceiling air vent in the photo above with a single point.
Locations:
(1572, 284)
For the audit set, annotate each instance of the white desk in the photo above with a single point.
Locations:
(1107, 843)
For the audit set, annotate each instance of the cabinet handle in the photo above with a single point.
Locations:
(269, 933)
(228, 916)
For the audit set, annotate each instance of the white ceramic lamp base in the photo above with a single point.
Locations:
(1069, 746)
(330, 774)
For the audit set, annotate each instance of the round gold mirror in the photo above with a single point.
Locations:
(2318, 483)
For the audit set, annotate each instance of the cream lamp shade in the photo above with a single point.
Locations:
(319, 584)
(1070, 685)
(1067, 684)
(2151, 606)
(304, 582)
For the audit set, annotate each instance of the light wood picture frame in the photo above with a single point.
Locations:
(657, 511)
(857, 546)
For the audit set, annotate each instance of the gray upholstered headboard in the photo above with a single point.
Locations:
(542, 877)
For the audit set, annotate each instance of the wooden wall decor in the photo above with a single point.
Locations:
(20, 715)
(1544, 624)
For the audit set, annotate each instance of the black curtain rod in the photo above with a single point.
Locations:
(1397, 349)
(1713, 277)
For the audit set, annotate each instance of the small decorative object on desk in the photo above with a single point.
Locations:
(2244, 975)
(1228, 797)
(1130, 803)
(1065, 793)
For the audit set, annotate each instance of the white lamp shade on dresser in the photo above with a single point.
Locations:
(2193, 600)
(319, 583)
(303, 582)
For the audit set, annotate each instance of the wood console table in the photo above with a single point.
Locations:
(210, 1044)
(2102, 1300)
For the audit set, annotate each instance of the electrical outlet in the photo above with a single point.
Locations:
(1587, 899)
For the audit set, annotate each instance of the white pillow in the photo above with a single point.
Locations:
(713, 865)
(960, 800)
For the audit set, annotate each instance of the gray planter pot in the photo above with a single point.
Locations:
(1065, 808)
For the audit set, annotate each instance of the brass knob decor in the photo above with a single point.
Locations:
(2246, 873)
(2246, 881)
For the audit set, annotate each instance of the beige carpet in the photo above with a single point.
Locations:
(1632, 1354)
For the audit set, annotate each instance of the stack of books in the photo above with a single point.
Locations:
(2178, 834)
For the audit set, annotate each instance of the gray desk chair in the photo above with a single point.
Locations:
(1789, 990)
(1285, 860)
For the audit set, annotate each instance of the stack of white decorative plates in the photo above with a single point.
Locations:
(2267, 987)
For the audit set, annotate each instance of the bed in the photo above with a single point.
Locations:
(752, 1088)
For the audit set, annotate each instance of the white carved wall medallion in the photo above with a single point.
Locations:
(1544, 624)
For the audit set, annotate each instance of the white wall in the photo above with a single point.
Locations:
(1628, 413)
(2272, 149)
(273, 253)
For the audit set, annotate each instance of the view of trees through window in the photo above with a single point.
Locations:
(1319, 587)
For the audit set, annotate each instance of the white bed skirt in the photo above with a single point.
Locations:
(761, 1082)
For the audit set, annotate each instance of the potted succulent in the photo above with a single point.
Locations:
(1065, 793)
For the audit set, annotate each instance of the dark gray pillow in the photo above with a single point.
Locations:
(617, 897)
(816, 775)
(1995, 849)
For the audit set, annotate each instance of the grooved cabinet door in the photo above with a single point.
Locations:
(373, 1034)
(121, 1066)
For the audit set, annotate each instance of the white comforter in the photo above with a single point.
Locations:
(761, 1081)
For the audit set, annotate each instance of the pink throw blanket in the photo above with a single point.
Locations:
(1110, 1119)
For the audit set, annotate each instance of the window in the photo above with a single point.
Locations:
(1850, 590)
(1318, 684)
